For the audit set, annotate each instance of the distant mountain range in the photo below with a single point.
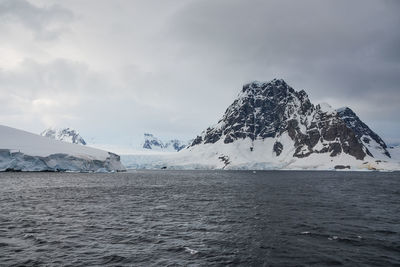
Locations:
(153, 143)
(150, 142)
(64, 134)
(272, 126)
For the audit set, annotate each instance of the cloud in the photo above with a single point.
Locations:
(173, 68)
(66, 93)
(45, 22)
(341, 50)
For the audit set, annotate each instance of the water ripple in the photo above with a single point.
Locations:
(180, 218)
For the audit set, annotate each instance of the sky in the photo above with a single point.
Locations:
(116, 69)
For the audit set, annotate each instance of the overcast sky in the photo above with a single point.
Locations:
(115, 69)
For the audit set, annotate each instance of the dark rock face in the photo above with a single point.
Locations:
(342, 167)
(197, 141)
(225, 160)
(361, 130)
(269, 110)
(331, 131)
(263, 111)
(278, 147)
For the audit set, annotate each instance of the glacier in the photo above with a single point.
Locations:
(24, 151)
(238, 156)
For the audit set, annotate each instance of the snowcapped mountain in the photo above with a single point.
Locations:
(24, 151)
(64, 134)
(154, 143)
(176, 144)
(272, 126)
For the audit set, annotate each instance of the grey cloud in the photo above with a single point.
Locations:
(46, 22)
(342, 50)
(68, 93)
(172, 69)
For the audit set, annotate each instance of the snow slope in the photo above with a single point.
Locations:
(238, 156)
(21, 150)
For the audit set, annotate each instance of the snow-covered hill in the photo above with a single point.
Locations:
(272, 126)
(153, 143)
(24, 151)
(64, 134)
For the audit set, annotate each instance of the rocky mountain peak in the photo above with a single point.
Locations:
(273, 109)
(259, 111)
(64, 134)
(275, 84)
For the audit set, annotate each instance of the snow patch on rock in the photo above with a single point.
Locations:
(64, 134)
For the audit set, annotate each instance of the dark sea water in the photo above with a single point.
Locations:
(206, 218)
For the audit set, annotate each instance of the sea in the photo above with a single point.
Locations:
(200, 218)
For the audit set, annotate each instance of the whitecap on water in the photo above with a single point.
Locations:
(333, 237)
(191, 251)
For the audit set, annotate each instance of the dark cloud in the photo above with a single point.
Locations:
(347, 51)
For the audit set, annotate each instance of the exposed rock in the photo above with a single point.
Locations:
(278, 147)
(342, 167)
(225, 160)
(270, 109)
(65, 134)
(152, 142)
(363, 132)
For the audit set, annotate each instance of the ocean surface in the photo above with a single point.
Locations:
(200, 218)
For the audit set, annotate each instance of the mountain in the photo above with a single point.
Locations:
(175, 144)
(64, 134)
(272, 126)
(24, 151)
(154, 143)
(374, 145)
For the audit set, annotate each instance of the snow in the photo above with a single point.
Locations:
(152, 142)
(341, 109)
(254, 152)
(326, 108)
(28, 151)
(64, 134)
(375, 148)
(262, 157)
